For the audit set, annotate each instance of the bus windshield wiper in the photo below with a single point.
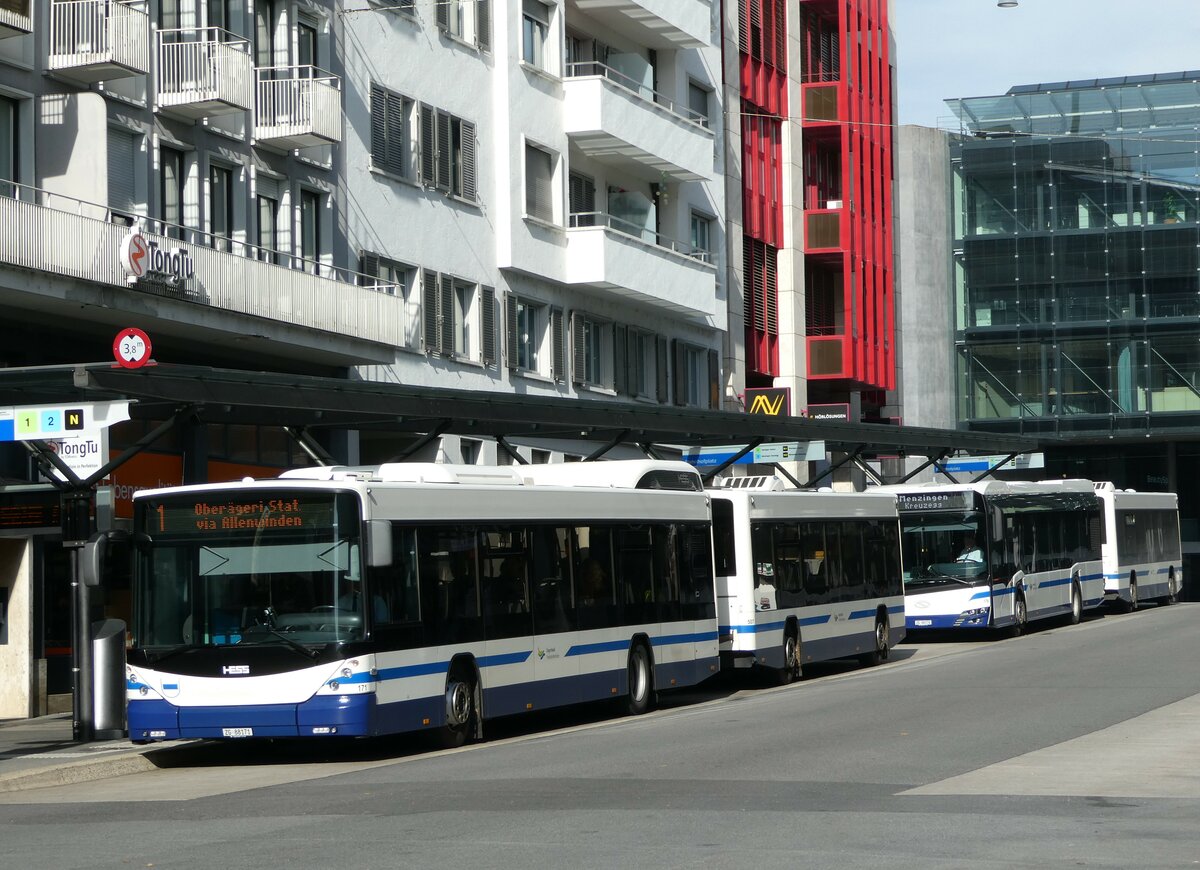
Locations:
(154, 657)
(298, 647)
(943, 575)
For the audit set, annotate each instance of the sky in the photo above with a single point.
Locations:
(972, 48)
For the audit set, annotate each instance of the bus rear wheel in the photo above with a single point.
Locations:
(790, 672)
(641, 681)
(1076, 603)
(1133, 594)
(462, 709)
(1020, 616)
(879, 655)
(1172, 591)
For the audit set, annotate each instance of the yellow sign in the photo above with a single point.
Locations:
(772, 402)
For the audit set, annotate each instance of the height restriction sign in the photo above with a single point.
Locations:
(131, 348)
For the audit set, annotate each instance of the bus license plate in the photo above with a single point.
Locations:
(237, 732)
(922, 622)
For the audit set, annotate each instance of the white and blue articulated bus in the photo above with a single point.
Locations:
(1142, 558)
(805, 576)
(411, 597)
(997, 554)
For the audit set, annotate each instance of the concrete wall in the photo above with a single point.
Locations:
(925, 317)
(16, 662)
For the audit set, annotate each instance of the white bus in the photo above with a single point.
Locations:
(409, 597)
(1142, 558)
(805, 576)
(997, 555)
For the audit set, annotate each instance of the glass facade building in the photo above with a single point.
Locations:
(1077, 226)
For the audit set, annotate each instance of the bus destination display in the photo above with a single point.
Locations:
(935, 501)
(218, 515)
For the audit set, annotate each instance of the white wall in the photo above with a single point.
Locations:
(16, 656)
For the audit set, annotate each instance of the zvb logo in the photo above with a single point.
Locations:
(765, 405)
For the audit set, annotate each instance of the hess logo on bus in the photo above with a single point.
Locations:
(235, 670)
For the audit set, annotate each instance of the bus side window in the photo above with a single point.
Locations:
(553, 608)
(395, 586)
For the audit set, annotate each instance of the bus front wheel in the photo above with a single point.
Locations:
(878, 655)
(641, 681)
(1076, 603)
(1020, 616)
(1133, 594)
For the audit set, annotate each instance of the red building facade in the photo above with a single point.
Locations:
(845, 83)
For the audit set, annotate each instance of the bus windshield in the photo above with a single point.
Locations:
(944, 549)
(238, 567)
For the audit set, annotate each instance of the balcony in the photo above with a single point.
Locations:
(64, 237)
(16, 18)
(822, 111)
(606, 253)
(823, 229)
(297, 107)
(203, 71)
(619, 122)
(96, 40)
(653, 23)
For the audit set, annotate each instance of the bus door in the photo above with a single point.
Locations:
(1004, 560)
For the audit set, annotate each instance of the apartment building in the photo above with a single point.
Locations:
(509, 195)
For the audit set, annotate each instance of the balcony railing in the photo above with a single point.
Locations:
(823, 229)
(650, 237)
(820, 103)
(16, 17)
(593, 68)
(45, 231)
(297, 107)
(99, 39)
(203, 71)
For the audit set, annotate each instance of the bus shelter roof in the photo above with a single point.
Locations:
(213, 395)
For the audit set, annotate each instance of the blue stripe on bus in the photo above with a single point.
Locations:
(421, 670)
(1061, 581)
(899, 608)
(513, 658)
(815, 620)
(668, 639)
(585, 649)
(751, 629)
(1087, 577)
(1164, 570)
(862, 614)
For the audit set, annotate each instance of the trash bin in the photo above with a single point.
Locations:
(108, 679)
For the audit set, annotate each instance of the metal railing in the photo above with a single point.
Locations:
(17, 15)
(579, 220)
(87, 32)
(50, 232)
(595, 68)
(199, 64)
(294, 101)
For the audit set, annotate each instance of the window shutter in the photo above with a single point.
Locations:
(743, 34)
(443, 13)
(487, 302)
(558, 339)
(680, 373)
(660, 369)
(379, 121)
(469, 189)
(483, 24)
(443, 150)
(429, 302)
(396, 134)
(370, 268)
(620, 358)
(510, 331)
(770, 297)
(121, 185)
(448, 316)
(780, 35)
(428, 145)
(578, 351)
(714, 380)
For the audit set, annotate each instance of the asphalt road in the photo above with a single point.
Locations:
(1071, 747)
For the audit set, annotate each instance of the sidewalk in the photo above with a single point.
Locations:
(40, 752)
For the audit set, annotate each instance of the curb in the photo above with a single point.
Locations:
(76, 772)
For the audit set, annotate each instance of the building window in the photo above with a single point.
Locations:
(466, 20)
(395, 279)
(448, 153)
(535, 33)
(171, 189)
(310, 231)
(458, 317)
(698, 102)
(697, 376)
(592, 351)
(581, 193)
(701, 236)
(220, 206)
(9, 147)
(268, 228)
(390, 137)
(642, 363)
(539, 183)
(527, 323)
(306, 44)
